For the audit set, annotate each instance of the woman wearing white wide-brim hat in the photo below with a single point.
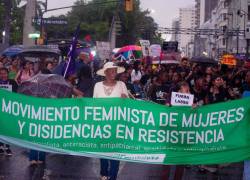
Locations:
(108, 88)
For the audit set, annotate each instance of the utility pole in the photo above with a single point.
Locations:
(30, 11)
(112, 34)
(237, 44)
(7, 16)
(115, 27)
(43, 35)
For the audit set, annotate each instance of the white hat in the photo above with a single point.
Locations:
(110, 65)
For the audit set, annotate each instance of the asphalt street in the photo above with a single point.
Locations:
(64, 167)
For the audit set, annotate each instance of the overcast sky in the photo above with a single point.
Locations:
(163, 11)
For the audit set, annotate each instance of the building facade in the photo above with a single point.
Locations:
(204, 10)
(198, 11)
(187, 19)
(204, 20)
(232, 19)
(176, 26)
(238, 9)
(209, 6)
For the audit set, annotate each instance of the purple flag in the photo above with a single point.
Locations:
(70, 64)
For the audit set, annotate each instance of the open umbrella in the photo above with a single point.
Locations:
(114, 51)
(13, 50)
(203, 59)
(46, 85)
(130, 48)
(129, 52)
(38, 49)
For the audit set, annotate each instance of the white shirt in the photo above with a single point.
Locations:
(118, 89)
(135, 77)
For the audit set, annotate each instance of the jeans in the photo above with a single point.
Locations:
(177, 170)
(36, 155)
(246, 170)
(109, 168)
(139, 91)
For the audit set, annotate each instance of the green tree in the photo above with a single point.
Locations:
(96, 17)
(40, 7)
(11, 20)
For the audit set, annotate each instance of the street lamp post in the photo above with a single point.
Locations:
(237, 41)
(3, 35)
(227, 29)
(241, 13)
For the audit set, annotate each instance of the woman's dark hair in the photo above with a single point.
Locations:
(197, 77)
(181, 84)
(215, 77)
(136, 67)
(24, 63)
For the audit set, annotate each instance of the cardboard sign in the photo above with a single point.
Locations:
(145, 45)
(155, 50)
(103, 49)
(180, 99)
(7, 87)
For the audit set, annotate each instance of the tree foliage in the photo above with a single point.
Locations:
(10, 10)
(95, 17)
(16, 14)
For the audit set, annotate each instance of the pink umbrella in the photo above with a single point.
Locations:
(130, 48)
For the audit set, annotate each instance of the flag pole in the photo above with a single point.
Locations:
(72, 49)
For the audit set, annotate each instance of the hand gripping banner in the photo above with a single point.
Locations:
(128, 130)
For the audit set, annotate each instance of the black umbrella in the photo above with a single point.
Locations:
(40, 49)
(203, 59)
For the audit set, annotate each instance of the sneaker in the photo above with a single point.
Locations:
(8, 152)
(1, 151)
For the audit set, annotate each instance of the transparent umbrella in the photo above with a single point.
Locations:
(46, 85)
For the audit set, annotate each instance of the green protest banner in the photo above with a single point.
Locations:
(129, 130)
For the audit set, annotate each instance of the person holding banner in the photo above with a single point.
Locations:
(85, 82)
(110, 88)
(245, 94)
(5, 82)
(182, 88)
(218, 92)
(10, 85)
